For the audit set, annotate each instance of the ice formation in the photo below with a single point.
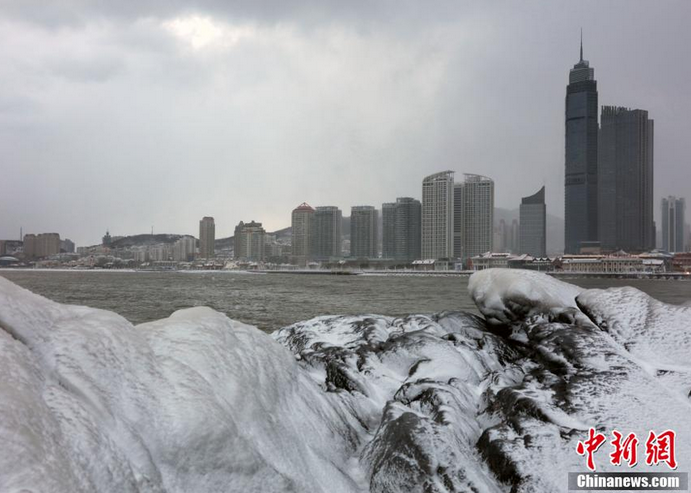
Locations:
(449, 402)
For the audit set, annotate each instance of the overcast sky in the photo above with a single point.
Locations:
(128, 114)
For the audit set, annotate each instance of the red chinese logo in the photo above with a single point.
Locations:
(624, 449)
(658, 448)
(590, 446)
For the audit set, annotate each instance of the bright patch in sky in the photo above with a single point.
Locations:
(202, 32)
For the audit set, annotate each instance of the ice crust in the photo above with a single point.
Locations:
(447, 402)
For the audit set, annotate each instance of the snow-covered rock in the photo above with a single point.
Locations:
(195, 402)
(506, 295)
(439, 403)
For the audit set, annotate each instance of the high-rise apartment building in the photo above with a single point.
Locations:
(67, 245)
(533, 225)
(506, 237)
(41, 245)
(625, 180)
(673, 223)
(581, 168)
(184, 248)
(437, 216)
(388, 243)
(302, 222)
(48, 244)
(29, 245)
(160, 253)
(364, 229)
(207, 238)
(514, 236)
(408, 228)
(249, 241)
(458, 208)
(328, 223)
(402, 225)
(477, 226)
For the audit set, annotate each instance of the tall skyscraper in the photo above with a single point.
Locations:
(625, 180)
(388, 243)
(302, 222)
(458, 220)
(437, 216)
(408, 229)
(506, 237)
(207, 238)
(402, 229)
(327, 232)
(249, 241)
(363, 231)
(580, 194)
(514, 236)
(672, 224)
(478, 215)
(500, 243)
(533, 225)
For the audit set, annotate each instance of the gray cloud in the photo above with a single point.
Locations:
(131, 114)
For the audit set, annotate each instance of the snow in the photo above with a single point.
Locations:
(503, 295)
(440, 403)
(195, 402)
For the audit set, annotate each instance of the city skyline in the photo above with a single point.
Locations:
(102, 131)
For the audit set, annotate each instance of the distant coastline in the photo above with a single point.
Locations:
(667, 276)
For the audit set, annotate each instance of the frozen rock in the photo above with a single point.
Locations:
(440, 403)
(195, 402)
(508, 295)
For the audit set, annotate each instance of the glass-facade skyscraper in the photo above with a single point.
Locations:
(407, 229)
(673, 224)
(533, 225)
(625, 180)
(580, 194)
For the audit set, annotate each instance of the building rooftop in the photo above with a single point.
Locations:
(537, 198)
(443, 175)
(304, 207)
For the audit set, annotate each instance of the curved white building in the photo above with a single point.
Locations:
(437, 216)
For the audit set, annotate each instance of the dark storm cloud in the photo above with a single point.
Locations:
(128, 114)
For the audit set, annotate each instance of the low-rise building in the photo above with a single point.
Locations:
(10, 247)
(618, 263)
(489, 260)
(681, 262)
